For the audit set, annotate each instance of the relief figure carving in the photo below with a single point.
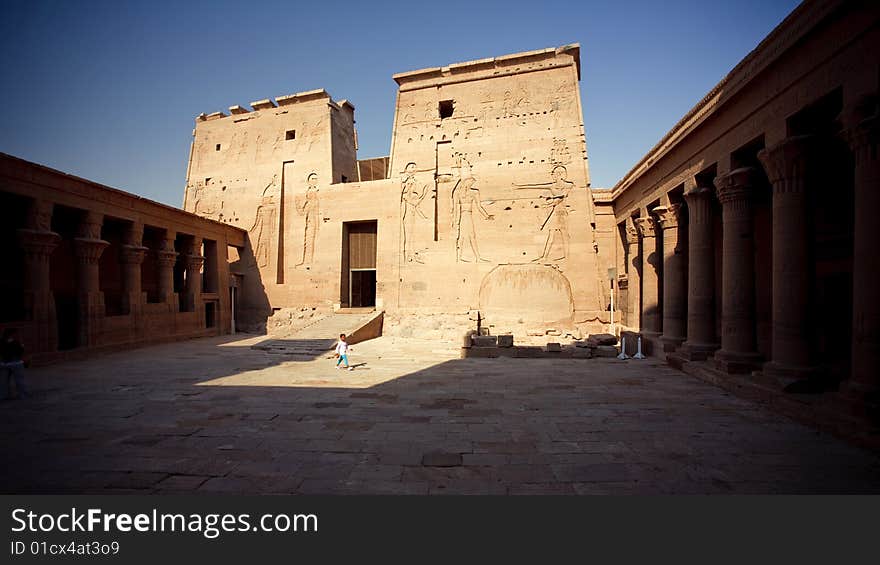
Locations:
(465, 200)
(411, 197)
(556, 224)
(263, 230)
(308, 207)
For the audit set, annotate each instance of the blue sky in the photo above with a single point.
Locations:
(109, 90)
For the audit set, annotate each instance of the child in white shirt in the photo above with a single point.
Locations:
(342, 349)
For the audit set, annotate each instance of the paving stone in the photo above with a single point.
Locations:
(441, 459)
(210, 415)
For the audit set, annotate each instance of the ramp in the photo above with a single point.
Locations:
(358, 324)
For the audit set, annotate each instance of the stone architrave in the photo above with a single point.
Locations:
(787, 165)
(674, 278)
(738, 353)
(651, 262)
(38, 242)
(88, 248)
(862, 132)
(701, 276)
(166, 257)
(634, 279)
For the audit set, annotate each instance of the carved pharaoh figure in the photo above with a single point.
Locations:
(465, 199)
(411, 197)
(263, 230)
(309, 209)
(556, 223)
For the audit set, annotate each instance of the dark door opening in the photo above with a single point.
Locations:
(210, 314)
(363, 288)
(358, 284)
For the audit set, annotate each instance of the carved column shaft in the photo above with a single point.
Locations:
(38, 242)
(738, 342)
(166, 257)
(701, 275)
(786, 165)
(88, 248)
(863, 135)
(132, 257)
(650, 277)
(194, 262)
(634, 307)
(674, 278)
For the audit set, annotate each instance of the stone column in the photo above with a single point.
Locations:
(701, 276)
(650, 277)
(863, 135)
(738, 353)
(132, 257)
(633, 277)
(194, 262)
(166, 257)
(674, 278)
(38, 242)
(88, 248)
(786, 165)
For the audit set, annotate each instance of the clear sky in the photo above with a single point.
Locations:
(109, 90)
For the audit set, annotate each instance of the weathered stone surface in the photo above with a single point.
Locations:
(605, 351)
(602, 339)
(505, 341)
(441, 459)
(484, 341)
(554, 347)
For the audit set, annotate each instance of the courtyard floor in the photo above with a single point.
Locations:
(215, 416)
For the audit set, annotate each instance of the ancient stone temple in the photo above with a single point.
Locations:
(744, 243)
(484, 203)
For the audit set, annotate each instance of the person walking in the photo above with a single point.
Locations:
(342, 349)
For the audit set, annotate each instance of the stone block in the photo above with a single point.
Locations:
(581, 353)
(505, 341)
(605, 351)
(554, 347)
(484, 341)
(602, 339)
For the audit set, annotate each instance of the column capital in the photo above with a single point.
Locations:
(668, 216)
(88, 250)
(90, 226)
(698, 193)
(646, 226)
(166, 258)
(786, 162)
(39, 215)
(861, 123)
(38, 243)
(194, 261)
(132, 254)
(632, 232)
(735, 186)
(134, 234)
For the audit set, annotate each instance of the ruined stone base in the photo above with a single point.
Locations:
(849, 418)
(736, 363)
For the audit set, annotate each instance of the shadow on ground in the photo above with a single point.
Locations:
(215, 415)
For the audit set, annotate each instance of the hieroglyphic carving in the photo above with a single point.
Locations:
(411, 197)
(308, 207)
(556, 224)
(465, 199)
(559, 153)
(263, 230)
(203, 204)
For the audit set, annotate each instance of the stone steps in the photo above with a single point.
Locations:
(320, 336)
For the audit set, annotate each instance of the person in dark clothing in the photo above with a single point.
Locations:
(12, 360)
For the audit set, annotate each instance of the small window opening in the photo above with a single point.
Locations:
(446, 107)
(217, 148)
(344, 178)
(291, 134)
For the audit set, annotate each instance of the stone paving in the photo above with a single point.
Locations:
(215, 416)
